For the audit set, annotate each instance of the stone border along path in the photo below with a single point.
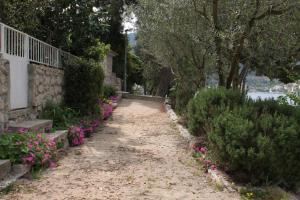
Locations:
(138, 155)
(217, 176)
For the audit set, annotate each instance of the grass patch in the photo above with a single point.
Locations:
(267, 193)
(219, 186)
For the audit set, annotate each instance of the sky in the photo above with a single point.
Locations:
(130, 23)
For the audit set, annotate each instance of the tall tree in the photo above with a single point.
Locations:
(224, 37)
(22, 15)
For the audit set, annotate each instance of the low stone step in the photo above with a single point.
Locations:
(5, 167)
(33, 125)
(59, 136)
(119, 95)
(17, 171)
(143, 97)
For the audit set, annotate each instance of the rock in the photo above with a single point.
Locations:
(115, 105)
(5, 167)
(78, 152)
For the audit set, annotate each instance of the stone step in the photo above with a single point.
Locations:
(5, 167)
(59, 136)
(16, 172)
(119, 95)
(126, 95)
(33, 125)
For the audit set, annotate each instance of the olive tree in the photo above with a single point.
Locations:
(198, 37)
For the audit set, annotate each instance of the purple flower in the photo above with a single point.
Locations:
(76, 136)
(22, 130)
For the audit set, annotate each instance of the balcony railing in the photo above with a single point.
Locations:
(17, 43)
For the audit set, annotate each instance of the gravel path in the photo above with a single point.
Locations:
(139, 155)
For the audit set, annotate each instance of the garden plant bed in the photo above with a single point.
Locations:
(220, 178)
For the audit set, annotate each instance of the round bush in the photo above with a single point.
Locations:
(209, 103)
(257, 142)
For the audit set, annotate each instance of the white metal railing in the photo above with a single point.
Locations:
(17, 43)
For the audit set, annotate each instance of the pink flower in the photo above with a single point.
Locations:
(213, 167)
(29, 159)
(107, 110)
(76, 136)
(51, 143)
(200, 159)
(75, 141)
(95, 123)
(203, 150)
(30, 146)
(207, 162)
(45, 158)
(39, 136)
(52, 164)
(22, 130)
(77, 129)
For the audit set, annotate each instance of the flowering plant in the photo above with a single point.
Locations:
(75, 136)
(106, 107)
(28, 148)
(86, 127)
(42, 152)
(95, 124)
(107, 110)
(89, 126)
(114, 99)
(200, 153)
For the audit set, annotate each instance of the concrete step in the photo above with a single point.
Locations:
(33, 125)
(5, 167)
(16, 172)
(59, 136)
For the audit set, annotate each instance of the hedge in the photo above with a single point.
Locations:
(83, 86)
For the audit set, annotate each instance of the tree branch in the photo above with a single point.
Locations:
(272, 11)
(202, 13)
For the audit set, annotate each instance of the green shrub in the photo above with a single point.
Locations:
(291, 98)
(209, 103)
(258, 142)
(9, 148)
(83, 86)
(109, 91)
(263, 146)
(62, 116)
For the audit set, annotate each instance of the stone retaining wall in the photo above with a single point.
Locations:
(45, 84)
(4, 93)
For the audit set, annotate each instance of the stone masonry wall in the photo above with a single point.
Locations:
(45, 84)
(4, 93)
(110, 77)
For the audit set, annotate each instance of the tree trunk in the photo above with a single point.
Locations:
(218, 43)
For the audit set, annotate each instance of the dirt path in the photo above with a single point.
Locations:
(139, 155)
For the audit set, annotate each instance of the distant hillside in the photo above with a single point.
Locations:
(132, 39)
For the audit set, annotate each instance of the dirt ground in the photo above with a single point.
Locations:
(138, 155)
